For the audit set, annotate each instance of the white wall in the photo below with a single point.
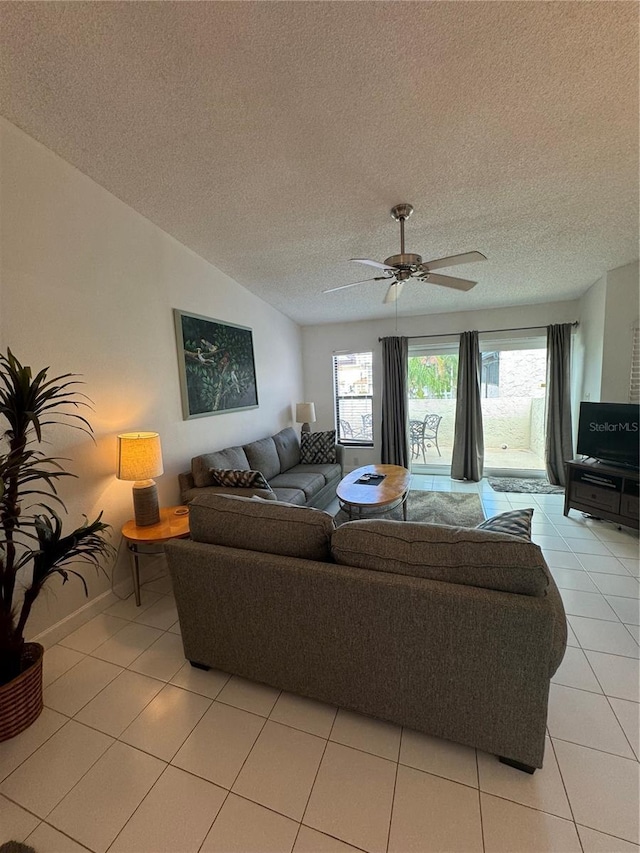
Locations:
(320, 342)
(608, 312)
(621, 314)
(87, 285)
(590, 338)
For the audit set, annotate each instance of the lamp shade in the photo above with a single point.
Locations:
(305, 413)
(139, 456)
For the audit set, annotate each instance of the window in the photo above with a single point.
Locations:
(353, 393)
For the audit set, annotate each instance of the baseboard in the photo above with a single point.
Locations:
(123, 589)
(50, 636)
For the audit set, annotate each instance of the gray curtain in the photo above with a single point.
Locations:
(558, 441)
(467, 462)
(395, 368)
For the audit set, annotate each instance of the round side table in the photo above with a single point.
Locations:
(173, 524)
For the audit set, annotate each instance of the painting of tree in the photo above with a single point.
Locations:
(217, 367)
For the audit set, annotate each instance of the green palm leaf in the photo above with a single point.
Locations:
(31, 531)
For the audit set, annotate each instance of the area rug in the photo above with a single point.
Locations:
(530, 487)
(454, 508)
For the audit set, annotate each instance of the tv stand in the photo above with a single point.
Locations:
(603, 491)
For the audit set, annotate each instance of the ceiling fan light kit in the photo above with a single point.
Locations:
(400, 268)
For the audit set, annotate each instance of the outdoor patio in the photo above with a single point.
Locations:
(494, 457)
(513, 432)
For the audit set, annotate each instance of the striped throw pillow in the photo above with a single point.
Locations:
(318, 448)
(238, 479)
(516, 522)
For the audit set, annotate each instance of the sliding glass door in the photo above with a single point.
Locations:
(433, 379)
(513, 405)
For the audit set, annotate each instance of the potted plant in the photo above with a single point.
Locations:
(31, 539)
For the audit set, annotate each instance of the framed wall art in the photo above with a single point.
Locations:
(216, 364)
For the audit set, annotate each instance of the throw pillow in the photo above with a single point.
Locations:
(517, 523)
(238, 479)
(318, 448)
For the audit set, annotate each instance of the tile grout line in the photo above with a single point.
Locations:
(395, 785)
(598, 591)
(626, 626)
(114, 739)
(566, 792)
(315, 778)
(66, 835)
(351, 747)
(102, 689)
(617, 837)
(593, 749)
(484, 844)
(631, 746)
(64, 796)
(167, 766)
(608, 698)
(68, 719)
(229, 790)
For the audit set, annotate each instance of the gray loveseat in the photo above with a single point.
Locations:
(449, 631)
(277, 458)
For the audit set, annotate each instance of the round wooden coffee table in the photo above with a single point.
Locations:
(173, 524)
(383, 495)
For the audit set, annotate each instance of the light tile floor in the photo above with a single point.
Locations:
(136, 752)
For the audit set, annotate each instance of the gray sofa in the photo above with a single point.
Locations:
(277, 458)
(449, 631)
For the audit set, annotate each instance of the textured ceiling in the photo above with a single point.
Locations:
(273, 137)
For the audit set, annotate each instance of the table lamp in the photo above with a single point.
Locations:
(140, 459)
(305, 415)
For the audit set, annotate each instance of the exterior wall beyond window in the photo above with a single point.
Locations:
(353, 397)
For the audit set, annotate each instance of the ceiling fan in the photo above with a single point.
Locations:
(398, 268)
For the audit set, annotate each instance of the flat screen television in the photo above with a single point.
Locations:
(610, 432)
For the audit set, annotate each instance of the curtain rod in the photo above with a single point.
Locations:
(483, 332)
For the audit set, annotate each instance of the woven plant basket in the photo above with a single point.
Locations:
(21, 698)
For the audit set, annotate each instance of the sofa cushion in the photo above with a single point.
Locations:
(263, 457)
(328, 471)
(318, 448)
(516, 522)
(290, 496)
(268, 526)
(310, 483)
(288, 448)
(230, 457)
(267, 494)
(238, 479)
(437, 552)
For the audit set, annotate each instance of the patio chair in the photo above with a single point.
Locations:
(345, 428)
(424, 434)
(367, 426)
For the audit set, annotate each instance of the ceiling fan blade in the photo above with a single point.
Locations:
(394, 292)
(453, 260)
(353, 284)
(448, 281)
(372, 263)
